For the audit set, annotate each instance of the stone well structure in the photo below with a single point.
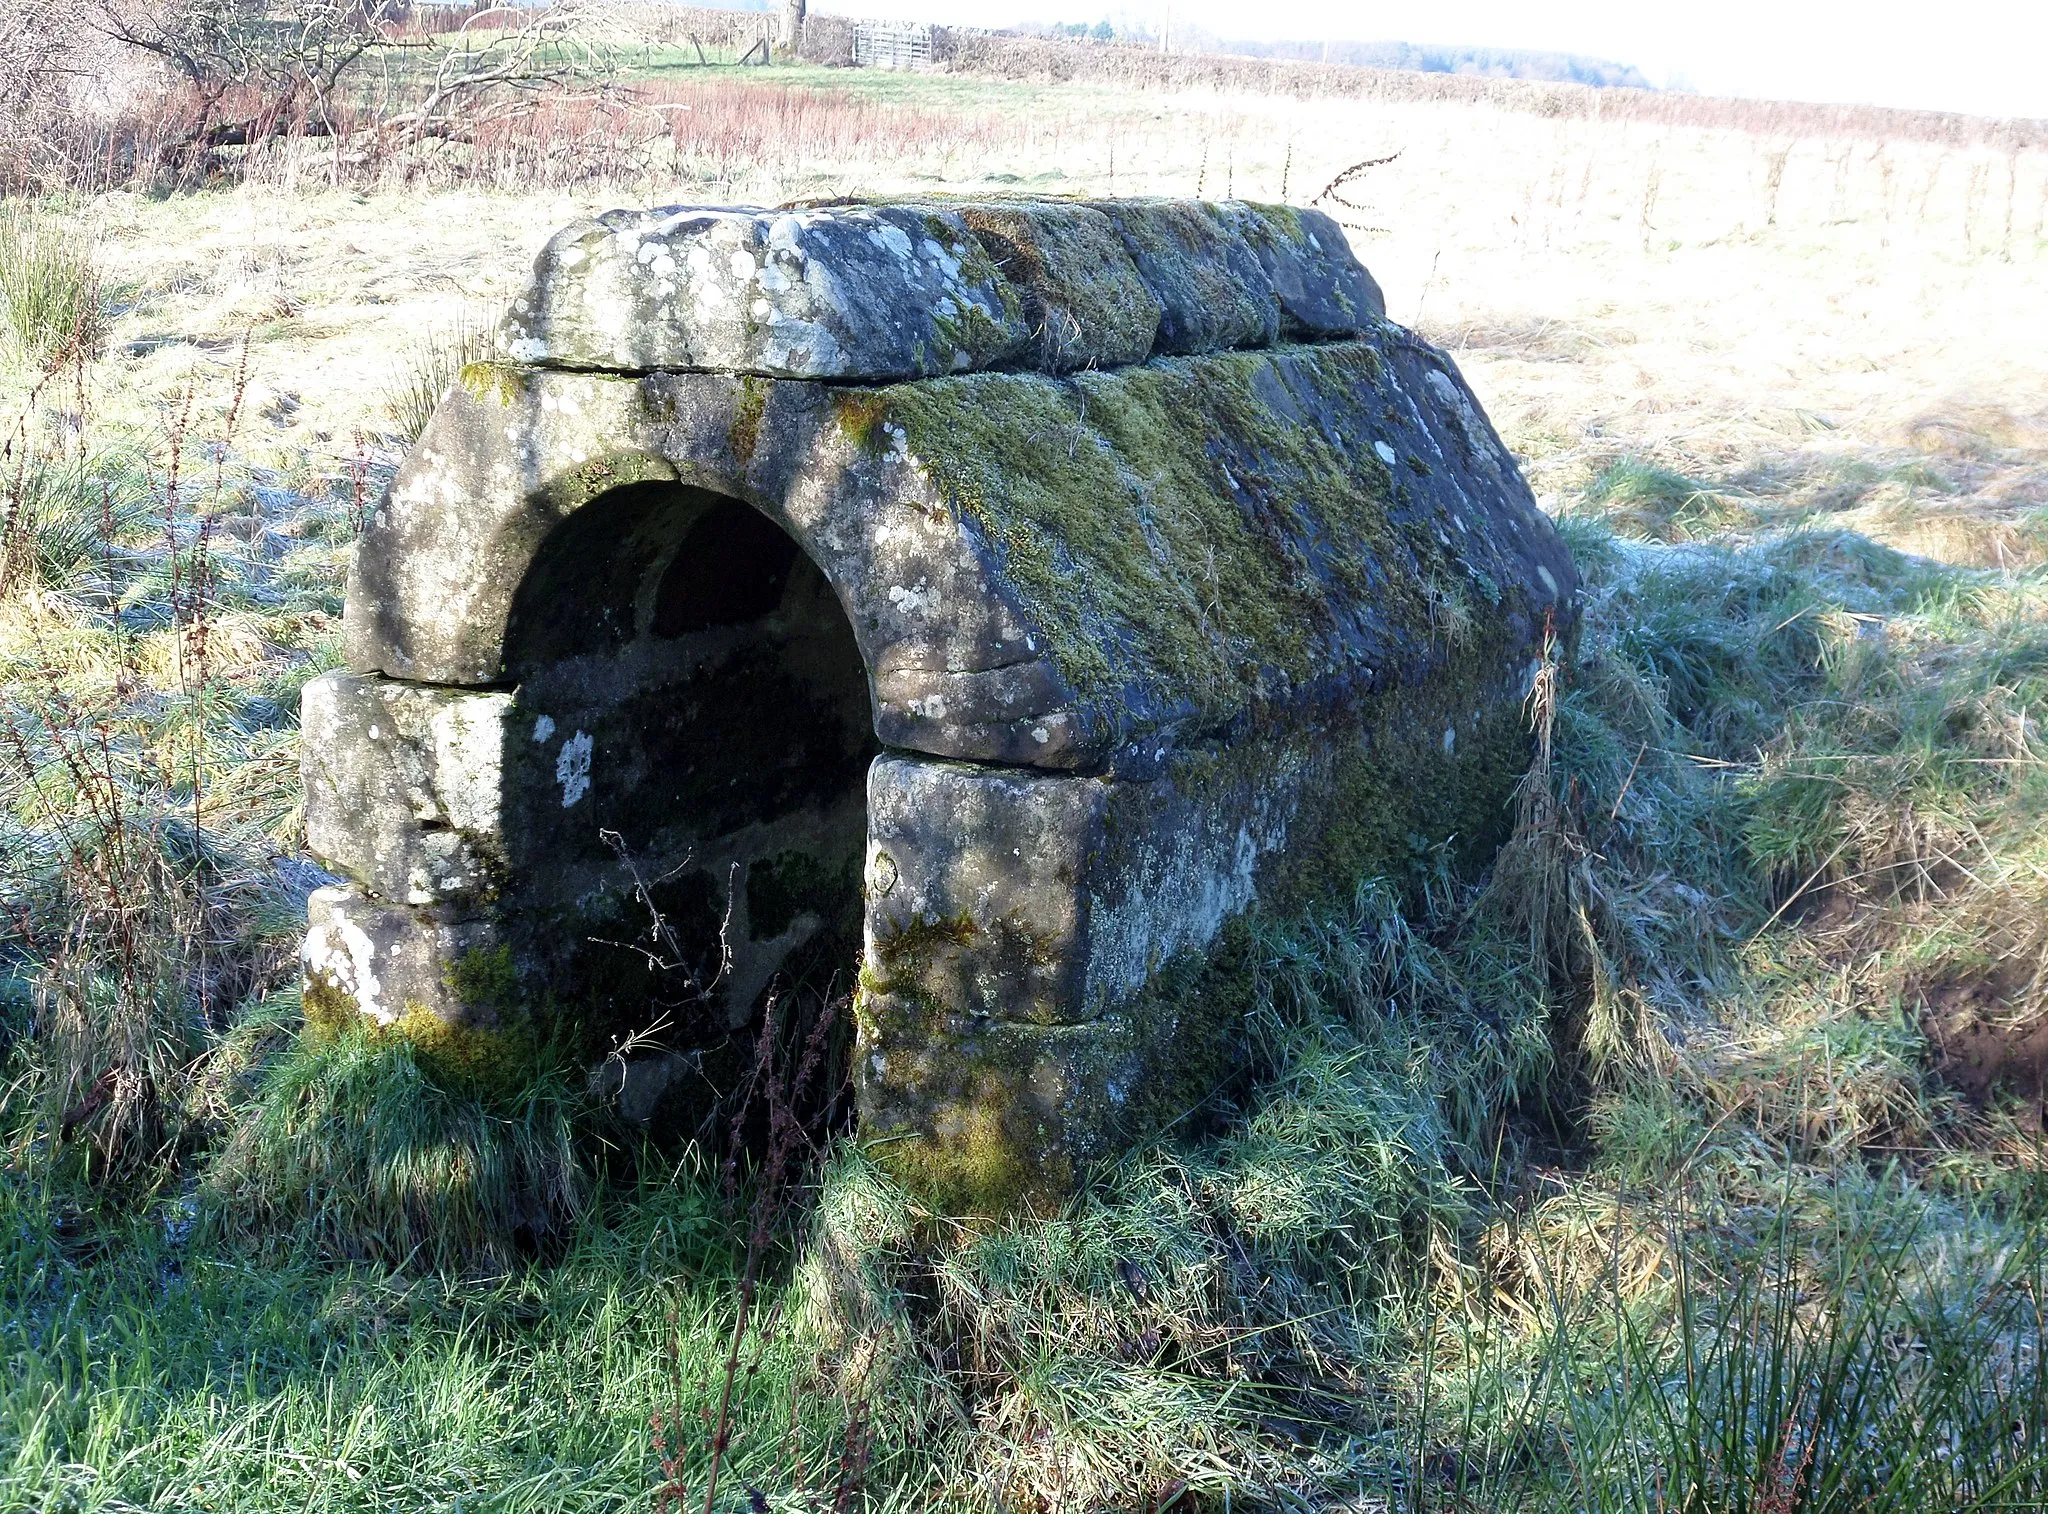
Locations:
(981, 607)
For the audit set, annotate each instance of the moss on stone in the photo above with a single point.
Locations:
(492, 382)
(752, 404)
(1003, 1116)
(602, 474)
(486, 980)
(906, 955)
(479, 1058)
(1387, 806)
(1279, 219)
(497, 1049)
(1178, 537)
(1080, 294)
(859, 414)
(328, 1010)
(974, 1170)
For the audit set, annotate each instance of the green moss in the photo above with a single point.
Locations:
(1282, 219)
(499, 1048)
(860, 413)
(745, 434)
(1388, 808)
(494, 1059)
(1078, 291)
(1166, 524)
(492, 382)
(909, 954)
(486, 980)
(977, 1170)
(328, 1011)
(999, 1117)
(600, 475)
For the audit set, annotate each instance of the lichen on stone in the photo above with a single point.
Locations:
(1188, 540)
(492, 382)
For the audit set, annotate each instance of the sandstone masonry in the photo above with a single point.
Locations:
(983, 608)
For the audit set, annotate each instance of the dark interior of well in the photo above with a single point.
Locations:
(685, 791)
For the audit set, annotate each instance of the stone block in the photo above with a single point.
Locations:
(386, 962)
(1115, 598)
(856, 292)
(1213, 292)
(1321, 289)
(1080, 295)
(1039, 983)
(404, 786)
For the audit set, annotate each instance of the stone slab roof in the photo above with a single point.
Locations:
(1090, 480)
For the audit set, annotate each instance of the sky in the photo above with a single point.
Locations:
(1986, 57)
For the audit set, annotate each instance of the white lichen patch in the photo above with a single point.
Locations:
(920, 600)
(338, 954)
(469, 760)
(572, 768)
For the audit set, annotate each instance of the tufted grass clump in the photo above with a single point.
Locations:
(50, 299)
(1657, 504)
(353, 1146)
(429, 366)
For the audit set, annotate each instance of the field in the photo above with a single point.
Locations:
(1691, 1159)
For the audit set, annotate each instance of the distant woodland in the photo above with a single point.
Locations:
(1489, 62)
(1420, 57)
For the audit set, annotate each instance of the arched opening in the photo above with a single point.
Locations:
(684, 785)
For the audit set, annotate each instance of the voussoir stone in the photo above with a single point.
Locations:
(856, 292)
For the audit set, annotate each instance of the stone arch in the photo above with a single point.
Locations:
(681, 725)
(1173, 584)
(691, 711)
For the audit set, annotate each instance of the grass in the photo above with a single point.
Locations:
(1649, 1201)
(350, 1145)
(50, 301)
(1688, 1160)
(428, 369)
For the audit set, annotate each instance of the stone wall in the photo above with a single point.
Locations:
(980, 607)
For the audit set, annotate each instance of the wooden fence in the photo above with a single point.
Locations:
(878, 44)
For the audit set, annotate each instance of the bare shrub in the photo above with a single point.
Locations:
(241, 75)
(60, 82)
(289, 57)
